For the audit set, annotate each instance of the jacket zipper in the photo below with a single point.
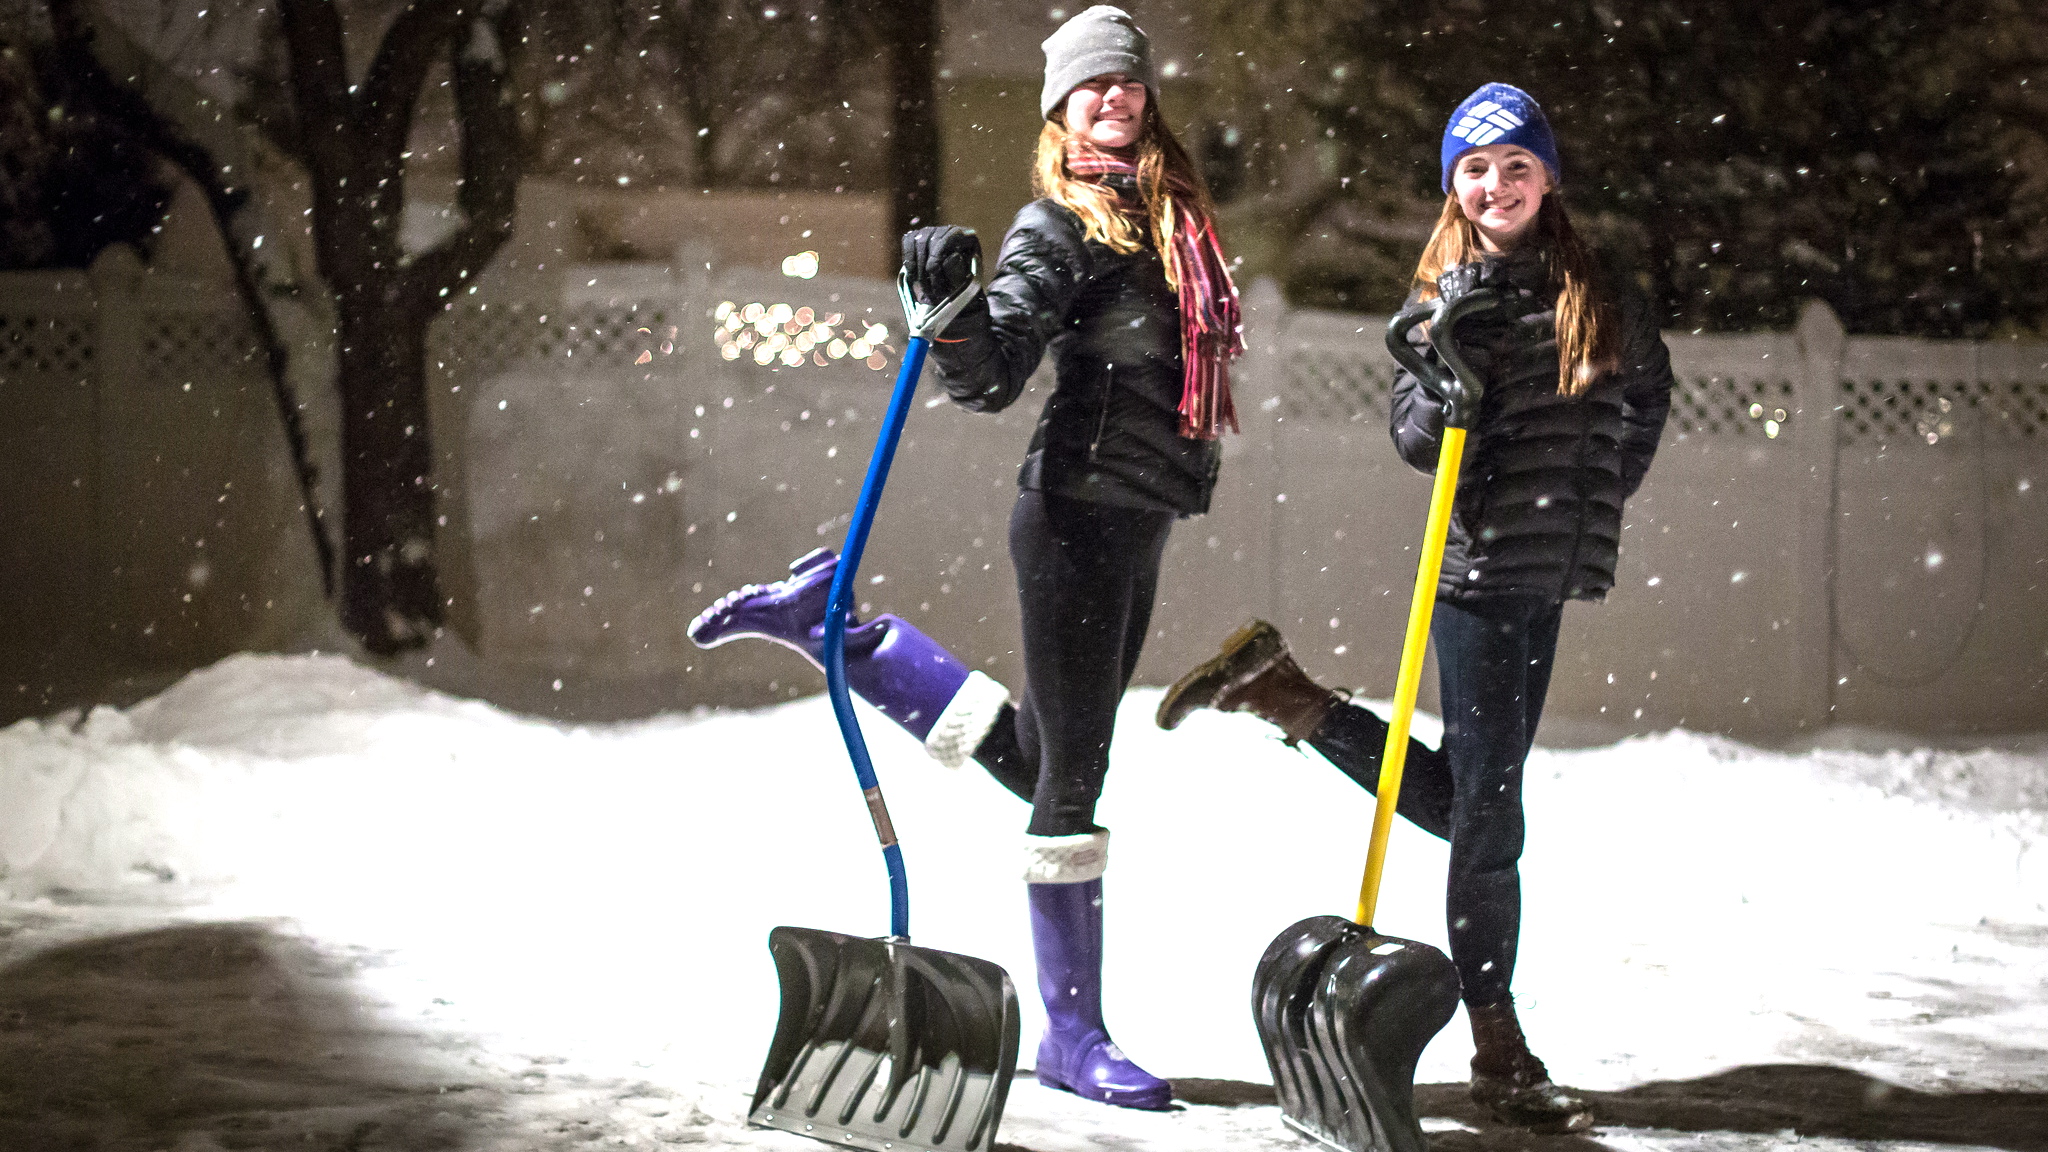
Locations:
(1102, 419)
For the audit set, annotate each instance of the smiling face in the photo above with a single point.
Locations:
(1499, 188)
(1107, 111)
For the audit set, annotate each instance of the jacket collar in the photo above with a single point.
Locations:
(1526, 268)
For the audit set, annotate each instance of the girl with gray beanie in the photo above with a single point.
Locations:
(1116, 270)
(1577, 384)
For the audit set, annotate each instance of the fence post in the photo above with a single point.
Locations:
(1817, 396)
(116, 278)
(1262, 376)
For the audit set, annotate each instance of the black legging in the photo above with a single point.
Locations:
(1493, 659)
(1086, 574)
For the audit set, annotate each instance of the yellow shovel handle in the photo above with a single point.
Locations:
(1396, 755)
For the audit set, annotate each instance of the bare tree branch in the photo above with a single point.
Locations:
(489, 124)
(391, 90)
(312, 30)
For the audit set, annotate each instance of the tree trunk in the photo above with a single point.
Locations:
(391, 596)
(390, 588)
(914, 136)
(690, 37)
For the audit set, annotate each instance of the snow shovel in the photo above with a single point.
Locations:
(1343, 1010)
(882, 1045)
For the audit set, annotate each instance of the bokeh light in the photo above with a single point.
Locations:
(802, 266)
(776, 333)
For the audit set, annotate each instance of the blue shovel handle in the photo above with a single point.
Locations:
(926, 321)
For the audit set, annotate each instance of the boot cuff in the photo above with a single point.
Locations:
(1066, 859)
(966, 720)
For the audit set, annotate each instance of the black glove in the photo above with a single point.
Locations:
(940, 261)
(1458, 280)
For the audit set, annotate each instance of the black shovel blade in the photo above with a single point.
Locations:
(1344, 1014)
(882, 1045)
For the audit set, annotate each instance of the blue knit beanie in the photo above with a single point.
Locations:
(1499, 114)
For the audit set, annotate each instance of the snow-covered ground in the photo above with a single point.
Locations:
(294, 902)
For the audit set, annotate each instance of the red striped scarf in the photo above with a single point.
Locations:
(1211, 322)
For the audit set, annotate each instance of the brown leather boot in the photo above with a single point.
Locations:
(1512, 1084)
(1253, 673)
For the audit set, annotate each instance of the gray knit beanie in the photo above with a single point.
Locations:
(1101, 40)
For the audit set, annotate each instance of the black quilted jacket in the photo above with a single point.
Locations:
(1538, 510)
(1110, 430)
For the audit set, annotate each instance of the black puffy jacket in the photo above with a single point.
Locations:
(1538, 509)
(1110, 431)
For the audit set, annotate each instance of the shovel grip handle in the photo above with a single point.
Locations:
(1413, 646)
(1453, 381)
(1434, 377)
(841, 604)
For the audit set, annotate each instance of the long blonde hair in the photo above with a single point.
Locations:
(1168, 183)
(1587, 328)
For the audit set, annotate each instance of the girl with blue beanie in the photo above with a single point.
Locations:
(1577, 384)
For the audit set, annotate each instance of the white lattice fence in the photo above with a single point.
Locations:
(1709, 404)
(1337, 370)
(1894, 391)
(1876, 409)
(204, 338)
(743, 326)
(149, 520)
(33, 341)
(1767, 433)
(186, 343)
(589, 337)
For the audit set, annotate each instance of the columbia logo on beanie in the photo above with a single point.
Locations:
(1499, 114)
(1485, 123)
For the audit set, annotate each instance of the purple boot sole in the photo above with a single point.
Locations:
(790, 612)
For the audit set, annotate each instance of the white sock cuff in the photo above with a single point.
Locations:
(1066, 859)
(966, 719)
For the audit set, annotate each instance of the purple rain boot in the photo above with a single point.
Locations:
(890, 663)
(911, 679)
(1064, 879)
(791, 612)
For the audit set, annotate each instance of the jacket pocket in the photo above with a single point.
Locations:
(1470, 518)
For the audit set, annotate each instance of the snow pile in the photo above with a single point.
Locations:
(1691, 903)
(1991, 781)
(183, 789)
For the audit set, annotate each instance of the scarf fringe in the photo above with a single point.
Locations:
(1211, 317)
